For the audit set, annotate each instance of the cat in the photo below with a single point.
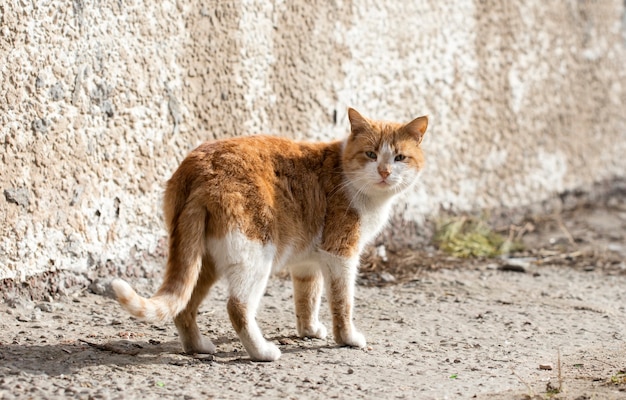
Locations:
(240, 208)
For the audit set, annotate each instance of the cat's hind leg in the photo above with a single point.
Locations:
(308, 285)
(245, 295)
(192, 340)
(246, 264)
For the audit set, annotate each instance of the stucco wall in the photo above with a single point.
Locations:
(100, 101)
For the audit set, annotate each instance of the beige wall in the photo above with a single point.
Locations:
(100, 100)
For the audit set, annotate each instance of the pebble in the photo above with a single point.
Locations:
(616, 247)
(45, 307)
(381, 252)
(515, 265)
(18, 302)
(102, 287)
(387, 277)
(205, 357)
(546, 367)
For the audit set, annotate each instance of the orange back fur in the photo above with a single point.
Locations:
(280, 191)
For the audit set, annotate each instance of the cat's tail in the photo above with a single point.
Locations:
(153, 309)
(186, 218)
(181, 274)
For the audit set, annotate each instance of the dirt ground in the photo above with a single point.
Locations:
(548, 323)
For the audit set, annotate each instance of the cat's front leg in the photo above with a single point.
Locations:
(340, 276)
(307, 293)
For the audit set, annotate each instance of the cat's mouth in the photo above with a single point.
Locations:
(386, 185)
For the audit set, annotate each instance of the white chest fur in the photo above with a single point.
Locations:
(373, 218)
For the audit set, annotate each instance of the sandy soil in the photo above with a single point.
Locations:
(549, 324)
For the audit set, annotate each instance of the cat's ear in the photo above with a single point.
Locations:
(417, 128)
(358, 123)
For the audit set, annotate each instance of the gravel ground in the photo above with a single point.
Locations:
(552, 327)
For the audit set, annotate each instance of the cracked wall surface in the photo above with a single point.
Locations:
(100, 101)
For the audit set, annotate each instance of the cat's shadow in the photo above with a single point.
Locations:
(58, 359)
(288, 344)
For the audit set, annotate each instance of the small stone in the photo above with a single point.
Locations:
(350, 371)
(21, 303)
(545, 367)
(387, 277)
(381, 252)
(515, 265)
(616, 247)
(179, 363)
(102, 287)
(45, 307)
(204, 357)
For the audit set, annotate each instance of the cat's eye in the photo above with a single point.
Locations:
(371, 154)
(400, 157)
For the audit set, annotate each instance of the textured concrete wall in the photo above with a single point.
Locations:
(100, 101)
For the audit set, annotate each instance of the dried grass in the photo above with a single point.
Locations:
(466, 237)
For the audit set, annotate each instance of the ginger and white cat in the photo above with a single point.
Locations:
(240, 208)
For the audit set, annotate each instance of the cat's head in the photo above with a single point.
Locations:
(383, 158)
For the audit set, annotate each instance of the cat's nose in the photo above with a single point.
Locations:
(384, 173)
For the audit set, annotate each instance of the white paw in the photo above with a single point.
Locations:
(203, 346)
(317, 331)
(206, 346)
(268, 352)
(353, 339)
